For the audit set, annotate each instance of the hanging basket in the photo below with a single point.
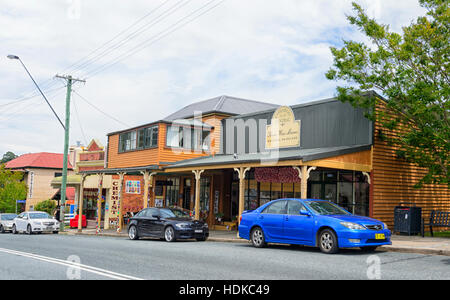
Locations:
(277, 175)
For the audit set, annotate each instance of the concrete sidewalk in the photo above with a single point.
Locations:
(400, 243)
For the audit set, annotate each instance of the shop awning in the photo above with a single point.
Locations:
(268, 158)
(129, 170)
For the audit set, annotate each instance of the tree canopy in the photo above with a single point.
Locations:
(411, 71)
(12, 188)
(8, 156)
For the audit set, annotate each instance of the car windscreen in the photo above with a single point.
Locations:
(173, 213)
(326, 208)
(8, 217)
(39, 216)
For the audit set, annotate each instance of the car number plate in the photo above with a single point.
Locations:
(380, 236)
(198, 231)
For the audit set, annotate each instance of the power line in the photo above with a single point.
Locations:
(29, 98)
(169, 30)
(79, 121)
(115, 37)
(100, 110)
(25, 109)
(49, 83)
(133, 34)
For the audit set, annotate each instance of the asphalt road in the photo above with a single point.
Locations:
(48, 256)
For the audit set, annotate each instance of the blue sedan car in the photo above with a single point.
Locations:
(312, 222)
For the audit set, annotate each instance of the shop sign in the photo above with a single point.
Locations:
(284, 130)
(133, 187)
(114, 207)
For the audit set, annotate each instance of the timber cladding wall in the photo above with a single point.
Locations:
(394, 180)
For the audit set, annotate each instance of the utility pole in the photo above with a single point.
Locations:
(70, 80)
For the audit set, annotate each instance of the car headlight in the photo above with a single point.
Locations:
(205, 225)
(182, 225)
(353, 226)
(385, 226)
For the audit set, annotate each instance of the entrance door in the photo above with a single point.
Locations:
(187, 194)
(234, 200)
(187, 197)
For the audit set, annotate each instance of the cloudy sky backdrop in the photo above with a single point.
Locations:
(144, 59)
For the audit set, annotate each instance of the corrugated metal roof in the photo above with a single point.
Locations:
(223, 104)
(38, 160)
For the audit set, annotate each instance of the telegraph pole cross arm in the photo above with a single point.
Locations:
(70, 80)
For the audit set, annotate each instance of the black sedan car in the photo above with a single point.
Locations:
(166, 223)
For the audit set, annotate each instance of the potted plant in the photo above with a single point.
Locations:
(219, 217)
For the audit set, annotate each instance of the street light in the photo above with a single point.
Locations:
(10, 56)
(66, 138)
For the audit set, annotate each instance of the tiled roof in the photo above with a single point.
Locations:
(223, 104)
(38, 160)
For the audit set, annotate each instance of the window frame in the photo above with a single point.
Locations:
(139, 139)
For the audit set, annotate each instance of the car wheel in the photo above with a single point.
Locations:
(257, 237)
(2, 230)
(14, 230)
(55, 232)
(369, 248)
(202, 239)
(328, 242)
(132, 233)
(169, 234)
(29, 229)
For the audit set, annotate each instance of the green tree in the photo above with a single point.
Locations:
(12, 188)
(8, 156)
(48, 206)
(411, 71)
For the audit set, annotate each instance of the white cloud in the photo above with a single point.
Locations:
(276, 51)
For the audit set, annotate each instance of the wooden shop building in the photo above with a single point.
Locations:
(219, 157)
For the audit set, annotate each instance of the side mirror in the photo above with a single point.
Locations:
(304, 212)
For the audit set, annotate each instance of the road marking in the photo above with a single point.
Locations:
(67, 263)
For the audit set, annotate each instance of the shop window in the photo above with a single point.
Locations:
(205, 189)
(264, 192)
(276, 191)
(172, 192)
(251, 194)
(288, 190)
(297, 190)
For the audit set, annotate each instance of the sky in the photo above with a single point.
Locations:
(144, 59)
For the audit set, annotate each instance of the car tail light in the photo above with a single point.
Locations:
(240, 219)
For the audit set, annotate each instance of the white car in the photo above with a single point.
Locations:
(34, 221)
(6, 222)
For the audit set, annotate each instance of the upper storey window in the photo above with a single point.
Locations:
(188, 138)
(139, 139)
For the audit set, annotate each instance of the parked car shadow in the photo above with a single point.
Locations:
(309, 249)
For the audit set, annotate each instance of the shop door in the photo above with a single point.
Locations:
(234, 199)
(187, 197)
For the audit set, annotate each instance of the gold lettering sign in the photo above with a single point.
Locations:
(284, 131)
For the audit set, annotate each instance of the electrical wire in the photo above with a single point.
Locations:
(114, 38)
(169, 30)
(171, 10)
(79, 120)
(100, 110)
